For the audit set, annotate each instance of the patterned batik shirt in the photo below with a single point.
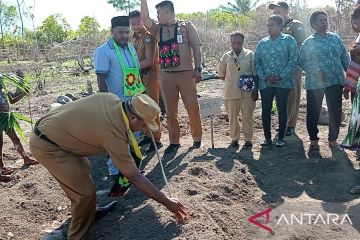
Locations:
(276, 58)
(323, 54)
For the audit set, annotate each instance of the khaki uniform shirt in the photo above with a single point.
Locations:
(296, 29)
(190, 39)
(140, 41)
(227, 69)
(89, 126)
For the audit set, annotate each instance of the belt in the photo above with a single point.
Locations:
(43, 136)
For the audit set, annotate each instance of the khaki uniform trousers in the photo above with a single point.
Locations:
(233, 107)
(73, 174)
(171, 83)
(294, 100)
(152, 85)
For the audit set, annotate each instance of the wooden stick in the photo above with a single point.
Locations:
(30, 113)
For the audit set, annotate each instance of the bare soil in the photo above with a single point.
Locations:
(222, 187)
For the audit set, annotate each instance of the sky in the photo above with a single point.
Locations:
(74, 10)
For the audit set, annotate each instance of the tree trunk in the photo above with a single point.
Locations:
(1, 26)
(21, 19)
(2, 37)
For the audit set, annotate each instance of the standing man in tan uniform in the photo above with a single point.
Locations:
(148, 52)
(180, 68)
(296, 29)
(98, 124)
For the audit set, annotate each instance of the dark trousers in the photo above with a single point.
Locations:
(314, 100)
(267, 96)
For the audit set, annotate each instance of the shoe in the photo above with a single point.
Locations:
(172, 148)
(234, 143)
(103, 211)
(248, 144)
(279, 143)
(196, 144)
(355, 190)
(314, 147)
(267, 142)
(290, 131)
(152, 147)
(144, 141)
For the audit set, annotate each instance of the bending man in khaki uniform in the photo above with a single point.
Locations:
(148, 53)
(179, 48)
(94, 125)
(296, 29)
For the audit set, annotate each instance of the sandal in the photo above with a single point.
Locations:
(355, 190)
(30, 161)
(6, 171)
(5, 178)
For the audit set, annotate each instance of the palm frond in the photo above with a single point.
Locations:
(19, 130)
(9, 122)
(20, 83)
(21, 117)
(242, 7)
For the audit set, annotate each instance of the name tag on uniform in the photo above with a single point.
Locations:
(179, 38)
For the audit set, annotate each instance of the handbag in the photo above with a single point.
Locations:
(247, 83)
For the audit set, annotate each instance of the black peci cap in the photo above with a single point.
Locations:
(120, 21)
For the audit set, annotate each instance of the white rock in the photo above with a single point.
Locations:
(54, 105)
(10, 235)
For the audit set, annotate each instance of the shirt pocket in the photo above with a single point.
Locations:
(245, 65)
(184, 35)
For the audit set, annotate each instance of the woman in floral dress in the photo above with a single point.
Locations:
(352, 139)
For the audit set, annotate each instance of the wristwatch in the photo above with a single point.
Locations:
(199, 69)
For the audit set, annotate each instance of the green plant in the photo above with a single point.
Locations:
(124, 5)
(9, 121)
(241, 7)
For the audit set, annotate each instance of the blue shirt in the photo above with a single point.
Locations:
(327, 54)
(106, 62)
(279, 58)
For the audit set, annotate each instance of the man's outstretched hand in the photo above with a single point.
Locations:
(177, 208)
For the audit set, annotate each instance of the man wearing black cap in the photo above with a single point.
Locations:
(296, 29)
(116, 63)
(117, 66)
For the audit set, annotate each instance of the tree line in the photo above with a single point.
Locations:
(245, 15)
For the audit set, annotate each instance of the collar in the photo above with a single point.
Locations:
(316, 35)
(139, 34)
(281, 35)
(288, 21)
(130, 134)
(111, 45)
(242, 53)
